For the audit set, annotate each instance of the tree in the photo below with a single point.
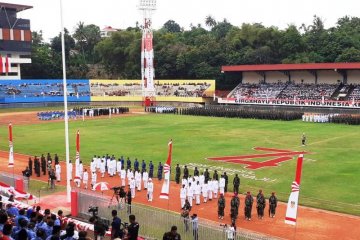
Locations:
(172, 26)
(210, 21)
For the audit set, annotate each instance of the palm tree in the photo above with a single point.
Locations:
(210, 21)
(80, 36)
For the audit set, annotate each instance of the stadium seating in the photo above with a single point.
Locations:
(355, 94)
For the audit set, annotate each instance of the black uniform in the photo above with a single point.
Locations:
(216, 175)
(226, 181)
(151, 170)
(177, 174)
(234, 204)
(260, 205)
(43, 164)
(160, 171)
(143, 167)
(196, 172)
(221, 207)
(186, 172)
(236, 183)
(128, 164)
(136, 165)
(272, 205)
(37, 167)
(128, 201)
(206, 175)
(30, 166)
(248, 206)
(56, 158)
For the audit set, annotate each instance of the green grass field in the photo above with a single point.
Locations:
(330, 175)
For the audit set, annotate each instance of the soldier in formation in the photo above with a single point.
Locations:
(248, 206)
(260, 204)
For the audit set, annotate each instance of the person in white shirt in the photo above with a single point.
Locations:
(58, 172)
(93, 166)
(184, 182)
(190, 180)
(123, 177)
(150, 190)
(81, 169)
(93, 179)
(102, 168)
(98, 162)
(190, 194)
(132, 187)
(202, 179)
(231, 232)
(204, 190)
(108, 165)
(118, 167)
(138, 180)
(70, 169)
(85, 179)
(197, 193)
(215, 187)
(145, 178)
(222, 184)
(130, 174)
(182, 195)
(113, 167)
(210, 189)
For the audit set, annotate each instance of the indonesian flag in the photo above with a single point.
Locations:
(166, 185)
(77, 157)
(292, 206)
(11, 148)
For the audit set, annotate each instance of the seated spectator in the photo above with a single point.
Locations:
(7, 231)
(20, 217)
(3, 220)
(12, 211)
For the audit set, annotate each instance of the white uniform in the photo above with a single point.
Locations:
(184, 182)
(145, 178)
(93, 166)
(197, 194)
(123, 177)
(98, 163)
(190, 194)
(118, 167)
(113, 167)
(138, 180)
(81, 170)
(102, 169)
(150, 190)
(215, 188)
(204, 190)
(130, 175)
(58, 172)
(132, 187)
(108, 164)
(222, 185)
(93, 178)
(210, 189)
(182, 196)
(85, 179)
(201, 180)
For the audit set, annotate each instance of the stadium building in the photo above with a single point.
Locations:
(15, 40)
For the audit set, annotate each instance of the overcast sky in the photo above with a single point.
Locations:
(123, 13)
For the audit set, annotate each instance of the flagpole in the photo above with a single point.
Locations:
(66, 120)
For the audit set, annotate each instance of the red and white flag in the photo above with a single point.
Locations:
(292, 206)
(167, 167)
(11, 148)
(77, 157)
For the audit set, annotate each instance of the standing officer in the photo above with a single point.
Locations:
(186, 172)
(260, 204)
(43, 164)
(160, 171)
(151, 170)
(221, 206)
(273, 205)
(234, 204)
(30, 166)
(207, 175)
(56, 158)
(236, 183)
(37, 166)
(177, 174)
(48, 158)
(248, 206)
(143, 166)
(136, 165)
(226, 181)
(128, 163)
(196, 172)
(216, 176)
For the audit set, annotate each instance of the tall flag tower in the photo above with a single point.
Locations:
(147, 52)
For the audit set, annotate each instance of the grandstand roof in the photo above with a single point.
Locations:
(17, 7)
(292, 67)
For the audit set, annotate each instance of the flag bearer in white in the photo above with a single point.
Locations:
(98, 162)
(182, 195)
(145, 178)
(150, 190)
(210, 189)
(197, 193)
(93, 166)
(130, 174)
(202, 179)
(112, 167)
(184, 182)
(118, 167)
(93, 179)
(138, 180)
(190, 194)
(81, 169)
(222, 184)
(85, 179)
(132, 187)
(123, 176)
(204, 191)
(58, 172)
(102, 168)
(215, 187)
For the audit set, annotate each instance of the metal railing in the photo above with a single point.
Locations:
(155, 222)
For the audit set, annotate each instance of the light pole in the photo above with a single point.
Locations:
(66, 119)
